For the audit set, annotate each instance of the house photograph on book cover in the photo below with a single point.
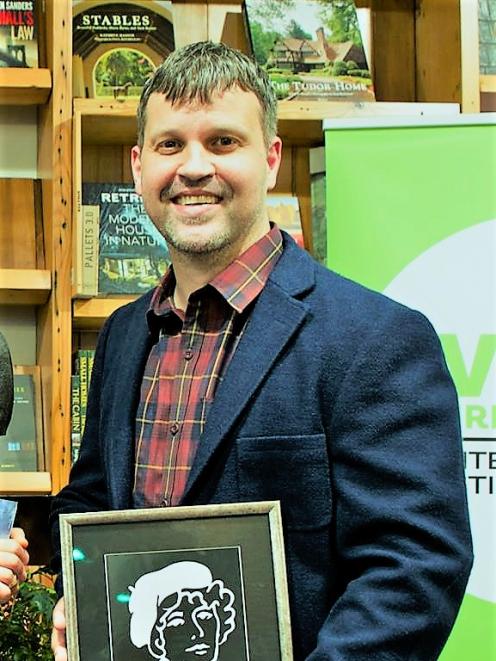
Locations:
(132, 254)
(118, 45)
(311, 49)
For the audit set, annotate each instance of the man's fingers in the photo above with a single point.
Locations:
(18, 535)
(13, 560)
(58, 631)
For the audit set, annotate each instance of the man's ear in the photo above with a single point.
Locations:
(274, 155)
(136, 168)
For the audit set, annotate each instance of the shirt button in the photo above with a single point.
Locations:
(174, 428)
(188, 354)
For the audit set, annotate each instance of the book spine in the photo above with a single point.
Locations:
(89, 248)
(75, 417)
(83, 385)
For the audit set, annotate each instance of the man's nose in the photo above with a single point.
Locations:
(196, 163)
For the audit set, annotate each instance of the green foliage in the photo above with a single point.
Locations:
(26, 623)
(297, 32)
(351, 65)
(340, 19)
(263, 41)
(339, 68)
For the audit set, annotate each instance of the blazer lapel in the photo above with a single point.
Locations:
(256, 353)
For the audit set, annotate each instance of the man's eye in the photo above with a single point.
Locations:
(168, 145)
(225, 141)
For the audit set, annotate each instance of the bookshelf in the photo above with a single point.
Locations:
(422, 52)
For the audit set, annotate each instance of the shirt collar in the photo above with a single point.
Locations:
(239, 283)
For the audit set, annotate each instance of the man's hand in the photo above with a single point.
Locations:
(58, 632)
(13, 561)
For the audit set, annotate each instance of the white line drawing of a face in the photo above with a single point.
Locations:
(180, 613)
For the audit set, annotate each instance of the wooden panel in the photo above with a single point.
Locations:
(24, 87)
(90, 314)
(24, 286)
(469, 19)
(190, 23)
(25, 484)
(55, 166)
(438, 51)
(393, 49)
(17, 224)
(302, 191)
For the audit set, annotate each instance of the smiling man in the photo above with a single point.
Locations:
(251, 373)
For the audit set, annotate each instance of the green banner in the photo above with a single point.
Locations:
(411, 212)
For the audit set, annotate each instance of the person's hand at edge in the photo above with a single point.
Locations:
(14, 559)
(58, 632)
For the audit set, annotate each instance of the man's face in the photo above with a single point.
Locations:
(191, 631)
(204, 171)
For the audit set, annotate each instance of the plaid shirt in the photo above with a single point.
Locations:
(186, 365)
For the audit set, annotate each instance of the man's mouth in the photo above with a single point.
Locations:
(186, 200)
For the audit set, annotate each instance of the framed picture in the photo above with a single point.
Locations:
(169, 584)
(21, 449)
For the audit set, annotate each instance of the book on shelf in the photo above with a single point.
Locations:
(19, 27)
(75, 417)
(118, 249)
(318, 203)
(117, 45)
(311, 50)
(284, 210)
(80, 384)
(21, 448)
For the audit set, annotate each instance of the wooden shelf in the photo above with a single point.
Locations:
(89, 314)
(24, 87)
(25, 483)
(24, 286)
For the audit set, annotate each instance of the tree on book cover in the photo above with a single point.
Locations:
(311, 49)
(132, 254)
(117, 45)
(18, 33)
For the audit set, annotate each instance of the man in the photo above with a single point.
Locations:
(14, 559)
(252, 373)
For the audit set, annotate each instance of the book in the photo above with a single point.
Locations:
(21, 448)
(318, 203)
(118, 45)
(83, 365)
(75, 417)
(284, 210)
(311, 50)
(131, 253)
(19, 27)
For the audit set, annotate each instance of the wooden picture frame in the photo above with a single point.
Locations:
(22, 446)
(201, 582)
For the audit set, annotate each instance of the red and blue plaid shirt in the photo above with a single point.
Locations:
(186, 365)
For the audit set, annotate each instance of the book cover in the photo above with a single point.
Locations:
(284, 210)
(132, 254)
(19, 33)
(117, 45)
(19, 447)
(311, 49)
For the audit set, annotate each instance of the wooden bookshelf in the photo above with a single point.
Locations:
(24, 87)
(89, 314)
(29, 483)
(24, 286)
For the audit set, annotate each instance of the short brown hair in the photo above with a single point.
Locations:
(197, 71)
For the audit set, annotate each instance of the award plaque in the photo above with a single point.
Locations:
(168, 584)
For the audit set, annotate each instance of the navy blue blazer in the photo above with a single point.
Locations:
(338, 403)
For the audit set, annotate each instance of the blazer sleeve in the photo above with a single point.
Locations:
(401, 522)
(87, 488)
